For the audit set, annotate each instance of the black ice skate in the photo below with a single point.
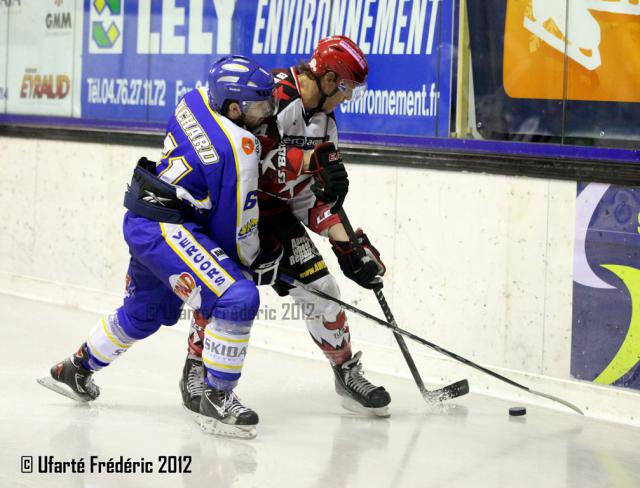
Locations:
(221, 413)
(192, 384)
(71, 379)
(358, 395)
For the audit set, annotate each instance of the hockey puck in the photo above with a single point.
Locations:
(517, 411)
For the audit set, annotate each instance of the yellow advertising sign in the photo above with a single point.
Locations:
(600, 39)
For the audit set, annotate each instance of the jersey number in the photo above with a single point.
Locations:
(177, 168)
(252, 200)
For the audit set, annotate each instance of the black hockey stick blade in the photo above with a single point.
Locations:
(454, 390)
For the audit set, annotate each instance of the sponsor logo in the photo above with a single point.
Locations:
(302, 141)
(380, 27)
(200, 261)
(248, 146)
(323, 216)
(302, 250)
(35, 85)
(58, 21)
(282, 164)
(592, 36)
(184, 285)
(248, 229)
(196, 135)
(224, 350)
(219, 253)
(319, 266)
(170, 31)
(106, 21)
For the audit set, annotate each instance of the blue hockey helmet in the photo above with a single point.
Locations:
(242, 80)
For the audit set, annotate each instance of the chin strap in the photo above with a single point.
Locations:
(323, 95)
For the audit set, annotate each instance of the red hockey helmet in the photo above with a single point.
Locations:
(342, 56)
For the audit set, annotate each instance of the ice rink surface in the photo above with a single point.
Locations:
(304, 438)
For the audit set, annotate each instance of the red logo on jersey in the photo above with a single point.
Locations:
(184, 285)
(248, 146)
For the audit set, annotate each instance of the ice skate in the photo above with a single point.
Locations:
(629, 7)
(192, 384)
(71, 379)
(358, 394)
(550, 25)
(221, 413)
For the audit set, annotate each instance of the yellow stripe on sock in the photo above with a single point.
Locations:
(111, 338)
(95, 352)
(225, 339)
(221, 366)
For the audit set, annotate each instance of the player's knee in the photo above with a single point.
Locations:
(328, 285)
(239, 303)
(315, 306)
(137, 326)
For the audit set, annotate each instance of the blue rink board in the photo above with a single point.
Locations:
(409, 94)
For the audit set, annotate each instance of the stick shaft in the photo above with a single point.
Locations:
(385, 308)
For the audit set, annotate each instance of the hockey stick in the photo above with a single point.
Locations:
(448, 392)
(453, 390)
(424, 342)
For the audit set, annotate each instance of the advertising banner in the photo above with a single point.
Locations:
(593, 34)
(141, 56)
(551, 70)
(40, 56)
(606, 289)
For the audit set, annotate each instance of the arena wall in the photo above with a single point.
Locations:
(479, 264)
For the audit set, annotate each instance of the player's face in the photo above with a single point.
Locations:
(351, 90)
(346, 90)
(256, 112)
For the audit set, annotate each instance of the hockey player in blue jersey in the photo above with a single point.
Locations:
(192, 230)
(305, 126)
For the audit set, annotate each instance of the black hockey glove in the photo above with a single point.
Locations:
(332, 181)
(265, 266)
(363, 266)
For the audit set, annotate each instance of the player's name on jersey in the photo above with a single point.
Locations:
(196, 135)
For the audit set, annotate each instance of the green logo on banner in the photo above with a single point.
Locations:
(114, 6)
(105, 38)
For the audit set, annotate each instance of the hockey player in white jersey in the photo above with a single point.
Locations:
(297, 152)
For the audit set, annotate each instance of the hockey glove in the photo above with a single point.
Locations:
(332, 181)
(364, 265)
(265, 266)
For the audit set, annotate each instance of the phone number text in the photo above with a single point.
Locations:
(123, 91)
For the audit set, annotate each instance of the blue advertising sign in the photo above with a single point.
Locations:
(606, 289)
(140, 57)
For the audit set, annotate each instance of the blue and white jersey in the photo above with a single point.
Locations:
(213, 163)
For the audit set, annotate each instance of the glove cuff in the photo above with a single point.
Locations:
(341, 248)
